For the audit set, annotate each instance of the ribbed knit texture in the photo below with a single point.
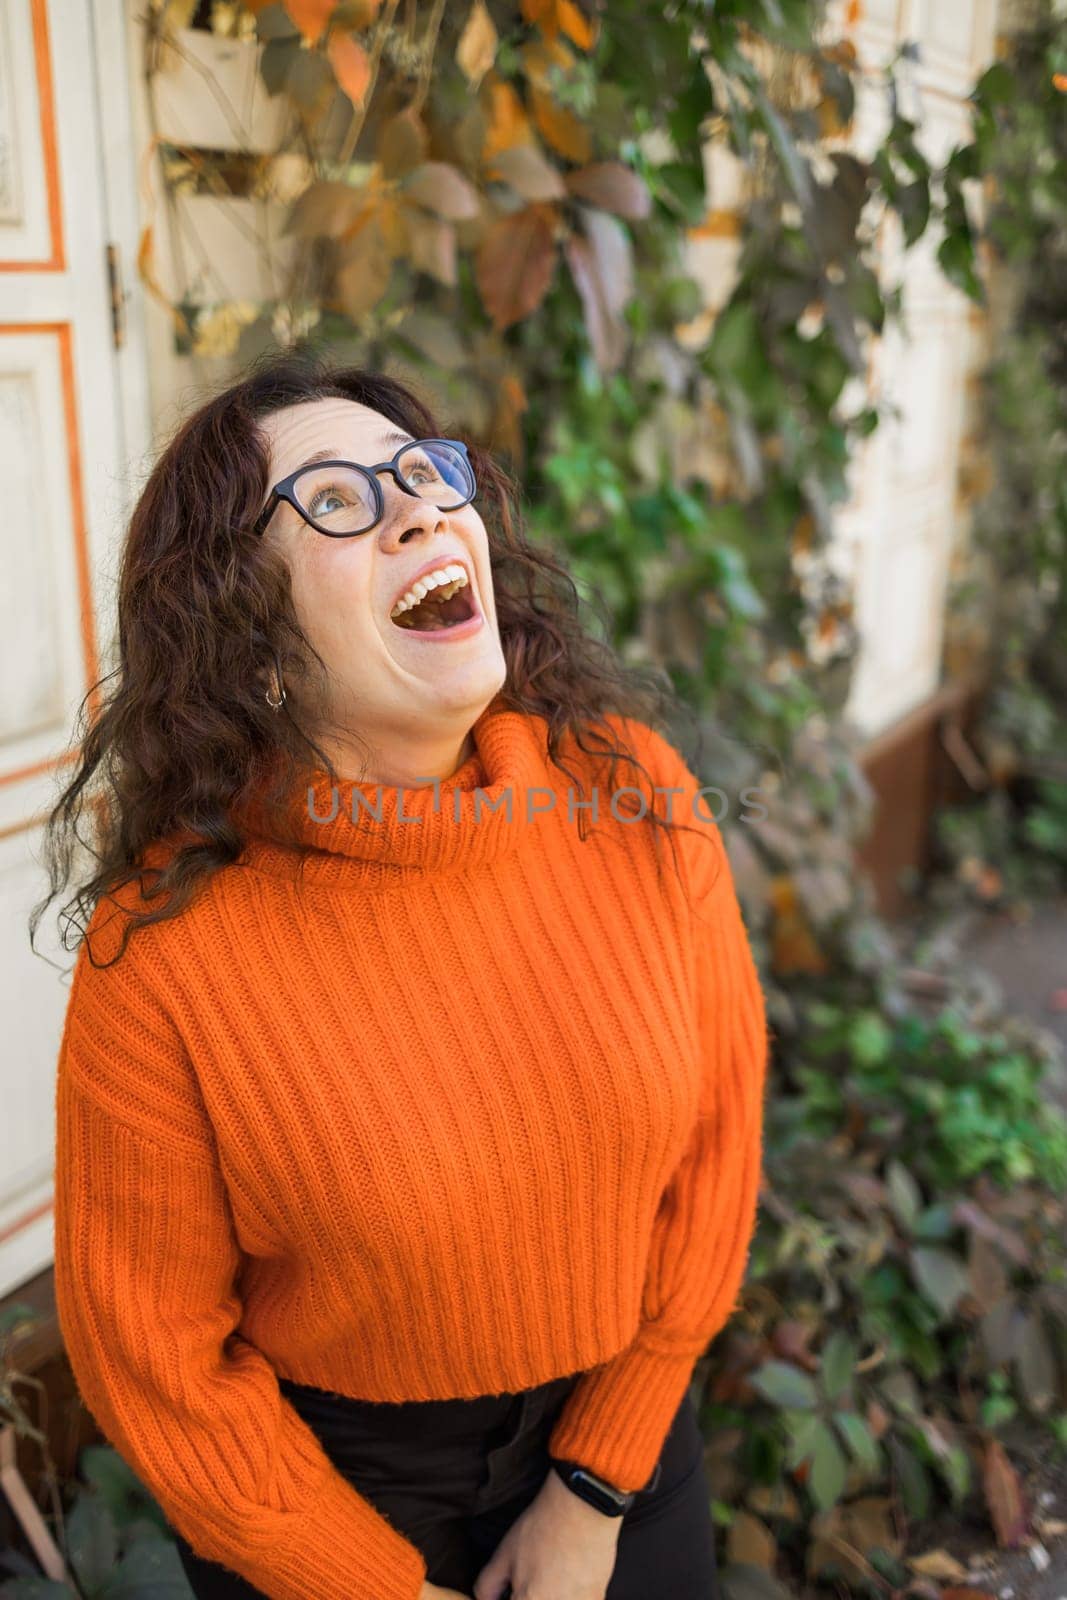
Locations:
(474, 1104)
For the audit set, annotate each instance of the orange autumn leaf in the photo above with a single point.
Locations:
(508, 123)
(511, 403)
(560, 128)
(1059, 81)
(560, 16)
(578, 28)
(831, 124)
(793, 944)
(539, 56)
(351, 66)
(311, 16)
(147, 273)
(537, 10)
(717, 224)
(803, 533)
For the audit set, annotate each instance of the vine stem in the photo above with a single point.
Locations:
(432, 30)
(359, 113)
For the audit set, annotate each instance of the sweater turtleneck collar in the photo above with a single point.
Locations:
(479, 814)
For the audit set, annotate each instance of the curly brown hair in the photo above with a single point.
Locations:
(204, 615)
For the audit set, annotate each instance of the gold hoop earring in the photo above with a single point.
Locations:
(276, 705)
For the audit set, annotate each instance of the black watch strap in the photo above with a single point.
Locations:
(597, 1491)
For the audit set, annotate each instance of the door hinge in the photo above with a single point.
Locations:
(118, 297)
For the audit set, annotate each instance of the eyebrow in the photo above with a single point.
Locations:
(388, 440)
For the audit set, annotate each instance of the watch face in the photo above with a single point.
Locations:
(597, 1492)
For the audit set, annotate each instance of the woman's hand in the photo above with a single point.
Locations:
(559, 1548)
(430, 1591)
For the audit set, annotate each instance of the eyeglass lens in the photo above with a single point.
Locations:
(341, 499)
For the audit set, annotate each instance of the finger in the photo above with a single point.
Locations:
(494, 1580)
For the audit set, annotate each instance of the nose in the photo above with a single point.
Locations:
(406, 516)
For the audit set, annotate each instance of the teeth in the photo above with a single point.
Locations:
(447, 579)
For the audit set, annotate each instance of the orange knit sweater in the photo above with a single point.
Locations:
(475, 1104)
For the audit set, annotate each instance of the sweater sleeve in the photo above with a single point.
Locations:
(146, 1269)
(616, 1419)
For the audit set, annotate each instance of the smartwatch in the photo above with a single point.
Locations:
(597, 1491)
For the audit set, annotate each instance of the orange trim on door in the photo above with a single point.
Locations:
(35, 1212)
(42, 57)
(64, 336)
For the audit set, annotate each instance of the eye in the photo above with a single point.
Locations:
(323, 501)
(421, 470)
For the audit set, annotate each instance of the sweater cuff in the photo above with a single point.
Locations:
(615, 1420)
(339, 1547)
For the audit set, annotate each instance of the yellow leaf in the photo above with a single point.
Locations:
(476, 50)
(351, 66)
(311, 16)
(218, 331)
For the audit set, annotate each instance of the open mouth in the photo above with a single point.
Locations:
(443, 607)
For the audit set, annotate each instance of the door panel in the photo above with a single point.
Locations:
(61, 454)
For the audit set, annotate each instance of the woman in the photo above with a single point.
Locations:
(408, 1107)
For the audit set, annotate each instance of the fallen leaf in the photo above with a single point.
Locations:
(1004, 1497)
(937, 1564)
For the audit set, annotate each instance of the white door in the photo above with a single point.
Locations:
(63, 489)
(898, 533)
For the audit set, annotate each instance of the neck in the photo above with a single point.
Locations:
(412, 763)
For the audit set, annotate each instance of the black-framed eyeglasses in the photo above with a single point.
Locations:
(343, 498)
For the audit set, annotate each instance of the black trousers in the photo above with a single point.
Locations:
(453, 1475)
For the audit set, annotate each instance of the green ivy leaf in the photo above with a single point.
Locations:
(861, 1442)
(955, 255)
(905, 1196)
(92, 1539)
(785, 1386)
(997, 85)
(838, 1364)
(941, 1277)
(828, 1469)
(150, 1570)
